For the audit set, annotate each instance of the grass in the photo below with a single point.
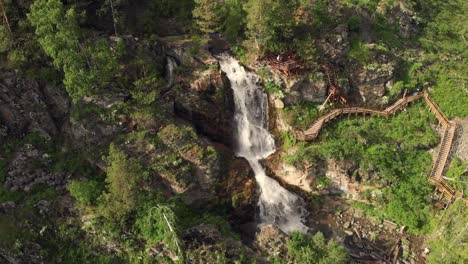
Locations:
(457, 173)
(389, 152)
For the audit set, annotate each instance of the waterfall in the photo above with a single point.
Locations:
(253, 141)
(170, 66)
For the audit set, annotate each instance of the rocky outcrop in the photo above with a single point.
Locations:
(310, 88)
(335, 44)
(239, 188)
(26, 106)
(208, 104)
(205, 243)
(271, 240)
(29, 167)
(375, 78)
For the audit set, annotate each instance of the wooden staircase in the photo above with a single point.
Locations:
(447, 136)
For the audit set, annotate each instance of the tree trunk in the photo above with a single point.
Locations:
(5, 17)
(113, 17)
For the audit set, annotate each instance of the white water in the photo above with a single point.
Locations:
(253, 141)
(170, 66)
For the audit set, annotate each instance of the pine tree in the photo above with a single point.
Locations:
(207, 16)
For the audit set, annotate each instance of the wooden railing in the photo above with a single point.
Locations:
(447, 136)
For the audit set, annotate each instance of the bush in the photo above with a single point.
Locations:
(353, 23)
(359, 51)
(85, 192)
(314, 249)
(448, 241)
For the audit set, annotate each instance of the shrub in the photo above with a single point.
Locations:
(448, 241)
(314, 249)
(85, 192)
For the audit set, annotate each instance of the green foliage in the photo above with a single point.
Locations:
(5, 39)
(408, 203)
(234, 21)
(273, 88)
(359, 51)
(146, 90)
(353, 23)
(123, 177)
(448, 242)
(314, 249)
(271, 23)
(85, 192)
(157, 12)
(305, 48)
(301, 115)
(159, 223)
(86, 68)
(207, 15)
(444, 39)
(456, 175)
(389, 150)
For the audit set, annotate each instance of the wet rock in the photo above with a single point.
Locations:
(376, 77)
(310, 88)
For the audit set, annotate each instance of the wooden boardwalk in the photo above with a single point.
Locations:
(448, 129)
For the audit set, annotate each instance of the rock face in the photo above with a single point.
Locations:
(335, 44)
(28, 168)
(208, 104)
(309, 89)
(27, 107)
(375, 78)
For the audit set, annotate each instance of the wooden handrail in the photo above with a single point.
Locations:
(448, 135)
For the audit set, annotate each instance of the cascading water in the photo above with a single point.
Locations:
(170, 66)
(277, 205)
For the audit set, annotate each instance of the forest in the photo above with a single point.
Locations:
(116, 130)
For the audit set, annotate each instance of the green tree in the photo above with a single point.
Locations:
(86, 67)
(234, 22)
(271, 23)
(207, 15)
(256, 20)
(123, 178)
